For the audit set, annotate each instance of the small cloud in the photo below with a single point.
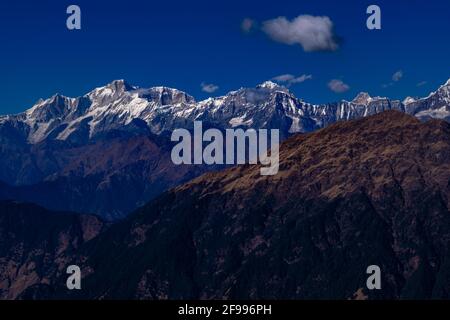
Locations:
(290, 79)
(422, 83)
(313, 33)
(247, 25)
(302, 78)
(338, 86)
(283, 78)
(209, 87)
(397, 76)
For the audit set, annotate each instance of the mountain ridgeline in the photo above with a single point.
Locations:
(371, 191)
(108, 152)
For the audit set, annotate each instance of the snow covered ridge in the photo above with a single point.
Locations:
(164, 109)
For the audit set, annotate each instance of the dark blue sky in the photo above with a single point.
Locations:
(184, 43)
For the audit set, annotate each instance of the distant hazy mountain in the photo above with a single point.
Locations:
(371, 191)
(108, 151)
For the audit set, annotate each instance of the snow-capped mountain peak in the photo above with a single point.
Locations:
(112, 90)
(165, 95)
(55, 106)
(409, 100)
(120, 85)
(443, 93)
(270, 85)
(363, 98)
(164, 109)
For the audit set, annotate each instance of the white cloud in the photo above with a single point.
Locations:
(311, 32)
(209, 87)
(397, 76)
(422, 83)
(248, 25)
(290, 79)
(302, 78)
(283, 78)
(338, 86)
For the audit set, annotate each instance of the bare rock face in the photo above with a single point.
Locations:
(373, 191)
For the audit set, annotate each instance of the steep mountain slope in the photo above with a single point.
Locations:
(34, 243)
(108, 152)
(373, 191)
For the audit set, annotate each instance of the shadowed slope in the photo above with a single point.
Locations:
(366, 192)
